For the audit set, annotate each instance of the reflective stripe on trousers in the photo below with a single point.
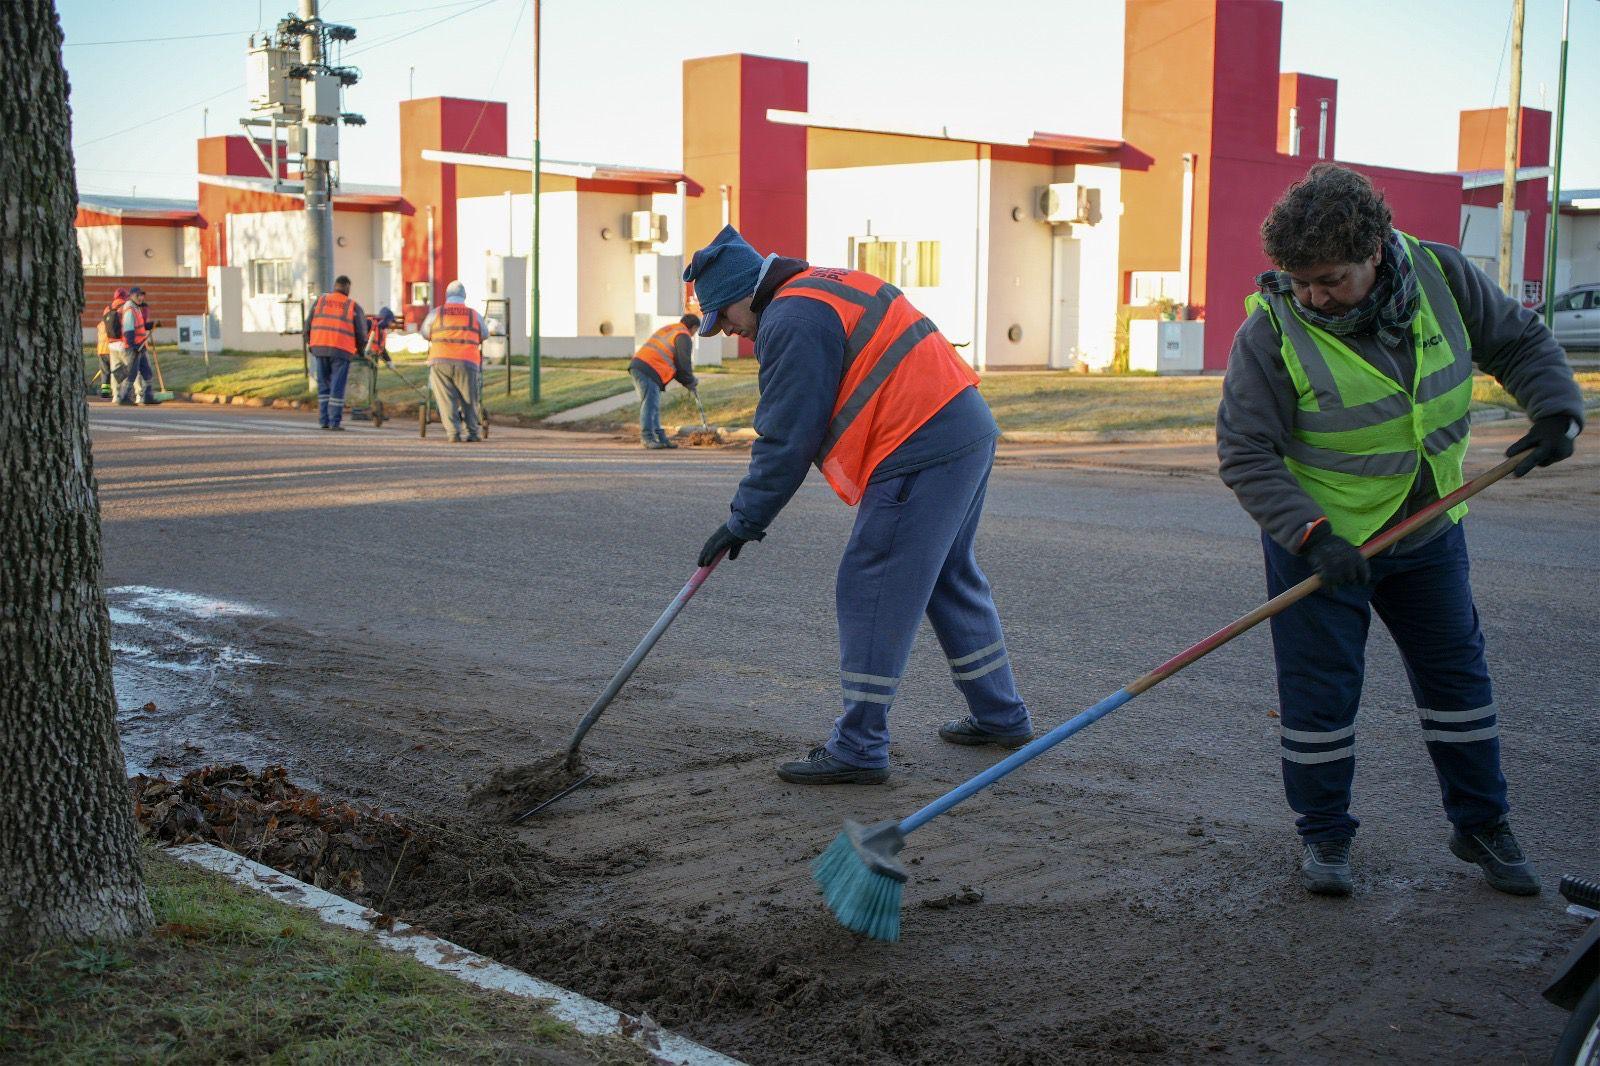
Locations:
(1424, 598)
(911, 554)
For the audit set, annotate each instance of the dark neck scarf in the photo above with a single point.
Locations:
(1387, 310)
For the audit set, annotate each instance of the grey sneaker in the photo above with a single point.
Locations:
(665, 441)
(820, 768)
(1495, 849)
(1325, 867)
(967, 731)
(654, 444)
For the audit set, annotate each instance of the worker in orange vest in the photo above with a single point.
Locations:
(858, 382)
(455, 334)
(133, 386)
(335, 330)
(666, 356)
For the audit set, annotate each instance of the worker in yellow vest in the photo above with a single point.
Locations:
(335, 331)
(665, 357)
(1345, 410)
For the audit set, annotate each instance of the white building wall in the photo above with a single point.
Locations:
(1020, 252)
(1098, 287)
(356, 238)
(101, 249)
(1577, 251)
(260, 235)
(152, 251)
(391, 250)
(605, 266)
(586, 279)
(905, 201)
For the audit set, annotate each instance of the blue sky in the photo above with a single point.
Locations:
(611, 78)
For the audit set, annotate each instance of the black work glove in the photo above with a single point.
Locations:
(1551, 441)
(1335, 559)
(722, 538)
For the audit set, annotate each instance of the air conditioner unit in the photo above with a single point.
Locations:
(647, 227)
(1069, 201)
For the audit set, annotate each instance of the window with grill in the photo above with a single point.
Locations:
(904, 264)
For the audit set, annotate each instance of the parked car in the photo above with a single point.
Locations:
(1576, 320)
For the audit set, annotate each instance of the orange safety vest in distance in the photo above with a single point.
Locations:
(333, 323)
(899, 371)
(141, 329)
(456, 335)
(657, 351)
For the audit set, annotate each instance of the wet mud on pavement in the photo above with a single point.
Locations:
(1049, 923)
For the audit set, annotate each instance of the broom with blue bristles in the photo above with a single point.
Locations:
(861, 878)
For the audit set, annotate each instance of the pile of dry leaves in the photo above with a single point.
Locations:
(265, 817)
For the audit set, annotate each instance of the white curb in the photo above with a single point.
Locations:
(581, 1012)
(593, 409)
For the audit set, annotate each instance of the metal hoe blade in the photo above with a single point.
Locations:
(570, 788)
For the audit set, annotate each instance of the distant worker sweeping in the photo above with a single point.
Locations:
(854, 379)
(335, 332)
(1345, 410)
(665, 357)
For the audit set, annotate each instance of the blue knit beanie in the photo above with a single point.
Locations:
(723, 272)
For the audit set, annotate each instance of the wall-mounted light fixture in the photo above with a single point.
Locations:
(1014, 334)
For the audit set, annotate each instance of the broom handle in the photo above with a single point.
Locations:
(649, 641)
(1216, 640)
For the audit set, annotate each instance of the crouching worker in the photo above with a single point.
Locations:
(857, 381)
(666, 356)
(1344, 411)
(455, 333)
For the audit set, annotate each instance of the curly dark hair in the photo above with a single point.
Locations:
(1332, 215)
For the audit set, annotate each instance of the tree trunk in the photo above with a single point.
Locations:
(69, 860)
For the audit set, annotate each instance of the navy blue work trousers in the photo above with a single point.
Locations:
(911, 554)
(333, 372)
(1425, 599)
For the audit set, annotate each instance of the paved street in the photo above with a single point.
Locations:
(430, 611)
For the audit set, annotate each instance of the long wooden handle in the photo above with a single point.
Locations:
(1299, 592)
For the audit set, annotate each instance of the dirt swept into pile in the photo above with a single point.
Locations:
(512, 791)
(761, 991)
(702, 438)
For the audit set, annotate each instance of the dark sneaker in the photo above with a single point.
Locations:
(666, 442)
(126, 403)
(1494, 848)
(151, 401)
(967, 731)
(336, 429)
(655, 444)
(820, 768)
(473, 438)
(1325, 867)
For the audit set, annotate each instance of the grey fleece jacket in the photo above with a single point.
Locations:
(1509, 342)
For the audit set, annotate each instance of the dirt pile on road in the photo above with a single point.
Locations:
(790, 987)
(512, 791)
(702, 438)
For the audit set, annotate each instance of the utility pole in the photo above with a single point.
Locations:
(1555, 188)
(319, 204)
(533, 252)
(1508, 187)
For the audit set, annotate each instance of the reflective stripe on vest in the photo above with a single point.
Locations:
(899, 370)
(657, 351)
(1358, 436)
(456, 335)
(333, 323)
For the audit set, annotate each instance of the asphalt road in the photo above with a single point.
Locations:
(431, 611)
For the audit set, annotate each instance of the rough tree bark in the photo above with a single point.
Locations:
(69, 861)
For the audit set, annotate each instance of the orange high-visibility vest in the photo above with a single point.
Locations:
(899, 371)
(457, 334)
(141, 328)
(657, 351)
(333, 323)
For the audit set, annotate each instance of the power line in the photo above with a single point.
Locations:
(495, 81)
(247, 32)
(467, 8)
